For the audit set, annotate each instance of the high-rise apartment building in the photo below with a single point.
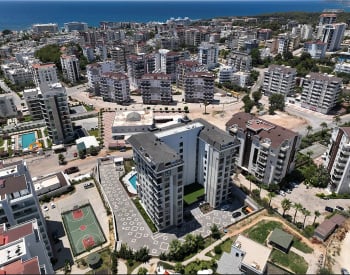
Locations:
(338, 161)
(44, 74)
(199, 87)
(45, 28)
(325, 19)
(156, 88)
(22, 250)
(137, 66)
(320, 92)
(332, 35)
(267, 151)
(183, 67)
(165, 62)
(18, 201)
(208, 55)
(75, 26)
(177, 156)
(115, 87)
(70, 68)
(50, 102)
(279, 80)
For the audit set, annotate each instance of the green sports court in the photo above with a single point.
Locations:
(83, 230)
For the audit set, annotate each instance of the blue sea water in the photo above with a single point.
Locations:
(20, 15)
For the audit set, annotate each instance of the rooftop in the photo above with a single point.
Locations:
(22, 267)
(281, 238)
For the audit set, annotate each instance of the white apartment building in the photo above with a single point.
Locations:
(177, 156)
(240, 61)
(199, 87)
(338, 161)
(7, 106)
(267, 151)
(306, 32)
(75, 26)
(17, 74)
(342, 67)
(70, 68)
(332, 35)
(279, 80)
(208, 55)
(241, 79)
(94, 72)
(320, 92)
(156, 88)
(89, 53)
(22, 250)
(118, 54)
(165, 62)
(225, 74)
(44, 74)
(51, 103)
(18, 201)
(317, 49)
(45, 28)
(115, 87)
(325, 19)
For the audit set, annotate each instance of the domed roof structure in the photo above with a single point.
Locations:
(133, 116)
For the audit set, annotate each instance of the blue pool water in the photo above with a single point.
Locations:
(27, 139)
(133, 180)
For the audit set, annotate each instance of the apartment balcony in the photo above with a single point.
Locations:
(281, 155)
(336, 178)
(340, 166)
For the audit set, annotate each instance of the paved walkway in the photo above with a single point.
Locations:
(122, 268)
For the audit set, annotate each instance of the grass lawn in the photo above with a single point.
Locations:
(260, 231)
(128, 164)
(133, 266)
(192, 192)
(291, 260)
(301, 246)
(145, 215)
(93, 133)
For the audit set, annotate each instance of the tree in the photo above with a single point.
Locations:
(93, 150)
(142, 271)
(297, 206)
(248, 103)
(286, 205)
(337, 120)
(270, 195)
(176, 250)
(317, 214)
(309, 129)
(306, 213)
(256, 58)
(215, 232)
(190, 244)
(276, 102)
(61, 159)
(179, 268)
(256, 97)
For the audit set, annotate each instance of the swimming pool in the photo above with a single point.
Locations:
(27, 139)
(133, 180)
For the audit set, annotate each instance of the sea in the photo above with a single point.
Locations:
(21, 14)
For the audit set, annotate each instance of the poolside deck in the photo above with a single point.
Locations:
(127, 183)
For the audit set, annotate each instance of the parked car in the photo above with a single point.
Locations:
(88, 185)
(282, 193)
(71, 170)
(53, 205)
(329, 209)
(236, 214)
(340, 208)
(75, 154)
(45, 208)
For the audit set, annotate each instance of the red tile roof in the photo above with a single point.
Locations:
(15, 233)
(18, 267)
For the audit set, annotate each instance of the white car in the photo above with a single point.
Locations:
(45, 208)
(282, 193)
(53, 205)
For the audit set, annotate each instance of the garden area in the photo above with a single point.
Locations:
(291, 260)
(193, 193)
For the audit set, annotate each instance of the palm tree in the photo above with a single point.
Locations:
(323, 126)
(309, 129)
(286, 205)
(270, 195)
(297, 206)
(306, 213)
(317, 214)
(250, 178)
